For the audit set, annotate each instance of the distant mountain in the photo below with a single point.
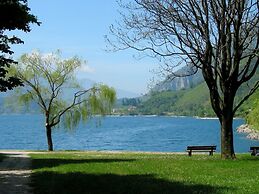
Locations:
(190, 98)
(7, 98)
(179, 83)
(87, 83)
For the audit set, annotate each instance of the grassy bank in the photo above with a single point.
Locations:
(143, 173)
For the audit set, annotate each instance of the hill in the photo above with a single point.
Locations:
(190, 101)
(252, 117)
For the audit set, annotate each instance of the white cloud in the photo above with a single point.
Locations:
(86, 69)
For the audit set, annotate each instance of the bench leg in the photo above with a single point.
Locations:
(253, 152)
(190, 153)
(211, 153)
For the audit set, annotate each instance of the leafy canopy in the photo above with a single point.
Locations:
(50, 81)
(15, 15)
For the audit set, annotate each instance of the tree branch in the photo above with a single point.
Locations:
(251, 92)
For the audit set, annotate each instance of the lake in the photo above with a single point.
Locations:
(138, 133)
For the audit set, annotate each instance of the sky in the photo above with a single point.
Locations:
(78, 28)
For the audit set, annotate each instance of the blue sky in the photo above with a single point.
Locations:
(78, 28)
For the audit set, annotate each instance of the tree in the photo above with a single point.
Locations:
(48, 81)
(218, 37)
(14, 16)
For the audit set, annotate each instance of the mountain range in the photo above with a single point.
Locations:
(182, 96)
(7, 98)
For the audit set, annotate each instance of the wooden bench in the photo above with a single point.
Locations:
(209, 149)
(254, 150)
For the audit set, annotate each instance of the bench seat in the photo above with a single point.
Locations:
(209, 149)
(254, 150)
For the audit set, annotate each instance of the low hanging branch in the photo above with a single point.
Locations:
(56, 119)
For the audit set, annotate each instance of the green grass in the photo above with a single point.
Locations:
(252, 118)
(143, 173)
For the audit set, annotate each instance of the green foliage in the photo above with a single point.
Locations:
(160, 103)
(72, 118)
(252, 117)
(195, 102)
(132, 173)
(51, 83)
(190, 102)
(100, 100)
(15, 15)
(130, 101)
(25, 98)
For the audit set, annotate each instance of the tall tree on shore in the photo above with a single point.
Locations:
(15, 15)
(218, 37)
(48, 80)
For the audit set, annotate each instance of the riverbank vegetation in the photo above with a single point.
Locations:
(97, 172)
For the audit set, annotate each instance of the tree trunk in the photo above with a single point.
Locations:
(49, 138)
(227, 143)
(224, 111)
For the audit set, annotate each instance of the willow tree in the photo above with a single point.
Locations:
(218, 37)
(48, 81)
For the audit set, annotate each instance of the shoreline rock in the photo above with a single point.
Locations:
(251, 133)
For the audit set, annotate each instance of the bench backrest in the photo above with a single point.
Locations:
(201, 147)
(254, 148)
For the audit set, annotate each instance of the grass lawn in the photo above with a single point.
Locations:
(98, 173)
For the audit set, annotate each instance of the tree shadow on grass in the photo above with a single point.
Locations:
(2, 156)
(53, 162)
(252, 158)
(51, 182)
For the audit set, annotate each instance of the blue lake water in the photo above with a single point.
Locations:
(140, 133)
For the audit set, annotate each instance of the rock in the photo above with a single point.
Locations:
(252, 134)
(244, 129)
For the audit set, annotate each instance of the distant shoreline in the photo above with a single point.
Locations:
(128, 115)
(173, 116)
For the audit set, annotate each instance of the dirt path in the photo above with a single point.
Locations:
(15, 172)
